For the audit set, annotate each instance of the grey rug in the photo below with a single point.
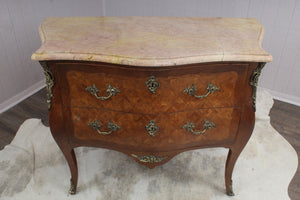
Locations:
(32, 167)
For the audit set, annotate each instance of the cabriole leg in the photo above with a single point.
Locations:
(72, 162)
(230, 162)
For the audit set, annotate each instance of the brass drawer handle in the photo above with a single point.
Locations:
(110, 89)
(111, 126)
(207, 125)
(192, 90)
(149, 158)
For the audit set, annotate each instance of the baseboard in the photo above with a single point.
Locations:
(21, 96)
(284, 97)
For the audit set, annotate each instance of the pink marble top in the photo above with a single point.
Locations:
(151, 41)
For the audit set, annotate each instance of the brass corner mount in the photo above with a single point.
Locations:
(254, 82)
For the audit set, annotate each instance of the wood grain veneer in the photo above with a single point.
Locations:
(35, 106)
(73, 108)
(135, 97)
(221, 58)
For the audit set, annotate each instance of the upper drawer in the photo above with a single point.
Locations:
(151, 90)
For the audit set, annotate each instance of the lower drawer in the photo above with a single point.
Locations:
(163, 132)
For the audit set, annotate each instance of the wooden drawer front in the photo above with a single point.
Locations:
(135, 96)
(170, 135)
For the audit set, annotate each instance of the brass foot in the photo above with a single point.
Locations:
(72, 189)
(230, 190)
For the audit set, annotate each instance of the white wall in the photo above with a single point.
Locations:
(19, 21)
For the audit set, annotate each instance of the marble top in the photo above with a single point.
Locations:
(151, 41)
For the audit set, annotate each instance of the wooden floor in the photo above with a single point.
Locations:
(285, 118)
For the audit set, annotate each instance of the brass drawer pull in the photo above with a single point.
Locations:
(207, 125)
(111, 126)
(110, 89)
(149, 158)
(152, 128)
(192, 90)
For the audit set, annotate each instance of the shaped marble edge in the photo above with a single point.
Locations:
(232, 54)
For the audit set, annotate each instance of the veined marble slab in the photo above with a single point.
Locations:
(151, 41)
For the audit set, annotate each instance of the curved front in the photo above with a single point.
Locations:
(152, 90)
(154, 133)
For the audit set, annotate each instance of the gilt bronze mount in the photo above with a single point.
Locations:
(152, 84)
(254, 82)
(149, 158)
(49, 82)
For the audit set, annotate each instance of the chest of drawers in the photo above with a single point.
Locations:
(151, 87)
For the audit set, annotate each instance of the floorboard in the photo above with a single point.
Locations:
(285, 118)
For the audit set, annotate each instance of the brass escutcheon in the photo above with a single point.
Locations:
(152, 84)
(152, 128)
